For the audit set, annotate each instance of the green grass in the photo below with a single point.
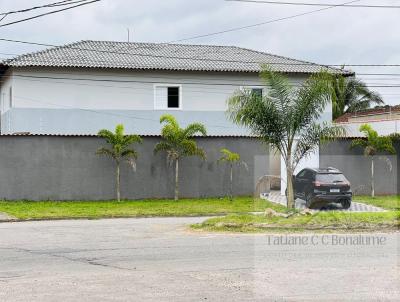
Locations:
(26, 210)
(320, 221)
(387, 202)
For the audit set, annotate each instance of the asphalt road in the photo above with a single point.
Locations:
(160, 260)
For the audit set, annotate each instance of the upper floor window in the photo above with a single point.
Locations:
(257, 91)
(167, 97)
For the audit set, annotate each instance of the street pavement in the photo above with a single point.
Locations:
(160, 259)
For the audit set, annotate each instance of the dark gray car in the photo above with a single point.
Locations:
(321, 187)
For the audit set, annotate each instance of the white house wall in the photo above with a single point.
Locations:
(82, 101)
(383, 127)
(5, 103)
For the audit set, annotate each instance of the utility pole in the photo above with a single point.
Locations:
(128, 34)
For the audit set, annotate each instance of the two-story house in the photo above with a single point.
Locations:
(86, 86)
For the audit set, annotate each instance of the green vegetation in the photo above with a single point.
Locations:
(26, 210)
(232, 159)
(351, 95)
(373, 145)
(320, 221)
(286, 117)
(120, 150)
(386, 202)
(178, 143)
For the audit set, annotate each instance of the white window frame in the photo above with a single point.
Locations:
(243, 88)
(155, 86)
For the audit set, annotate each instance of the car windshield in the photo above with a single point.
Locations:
(331, 178)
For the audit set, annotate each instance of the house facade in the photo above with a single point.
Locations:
(90, 85)
(384, 119)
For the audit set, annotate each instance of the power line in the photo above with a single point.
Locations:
(261, 23)
(48, 13)
(193, 58)
(315, 4)
(63, 79)
(54, 4)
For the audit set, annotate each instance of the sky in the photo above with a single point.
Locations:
(334, 36)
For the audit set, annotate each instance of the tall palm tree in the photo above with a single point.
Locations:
(232, 159)
(373, 144)
(286, 117)
(120, 150)
(178, 143)
(351, 95)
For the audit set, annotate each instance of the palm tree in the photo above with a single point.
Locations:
(373, 144)
(178, 143)
(119, 150)
(286, 117)
(232, 159)
(351, 95)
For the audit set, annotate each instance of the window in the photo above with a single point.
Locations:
(306, 174)
(331, 178)
(257, 91)
(168, 97)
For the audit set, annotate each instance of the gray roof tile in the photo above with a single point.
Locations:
(107, 54)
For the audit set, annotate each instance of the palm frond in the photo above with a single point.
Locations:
(228, 156)
(279, 88)
(261, 116)
(119, 142)
(312, 99)
(351, 95)
(373, 143)
(358, 143)
(162, 146)
(106, 152)
(312, 137)
(193, 129)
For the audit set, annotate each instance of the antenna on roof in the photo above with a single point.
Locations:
(128, 34)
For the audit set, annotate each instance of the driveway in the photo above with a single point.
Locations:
(160, 260)
(276, 197)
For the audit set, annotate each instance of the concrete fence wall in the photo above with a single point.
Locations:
(67, 168)
(357, 167)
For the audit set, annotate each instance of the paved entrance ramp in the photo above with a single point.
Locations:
(276, 197)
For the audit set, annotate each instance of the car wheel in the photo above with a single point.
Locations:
(346, 203)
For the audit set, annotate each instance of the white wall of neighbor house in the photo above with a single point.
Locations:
(7, 92)
(383, 127)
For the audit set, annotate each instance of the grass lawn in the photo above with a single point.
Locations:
(26, 210)
(320, 221)
(387, 202)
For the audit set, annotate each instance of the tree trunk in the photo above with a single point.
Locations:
(372, 178)
(177, 179)
(118, 183)
(231, 185)
(290, 191)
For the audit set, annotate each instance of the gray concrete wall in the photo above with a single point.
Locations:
(67, 168)
(357, 167)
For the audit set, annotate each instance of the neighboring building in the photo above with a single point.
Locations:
(89, 85)
(384, 119)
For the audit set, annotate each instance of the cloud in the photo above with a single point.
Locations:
(335, 36)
